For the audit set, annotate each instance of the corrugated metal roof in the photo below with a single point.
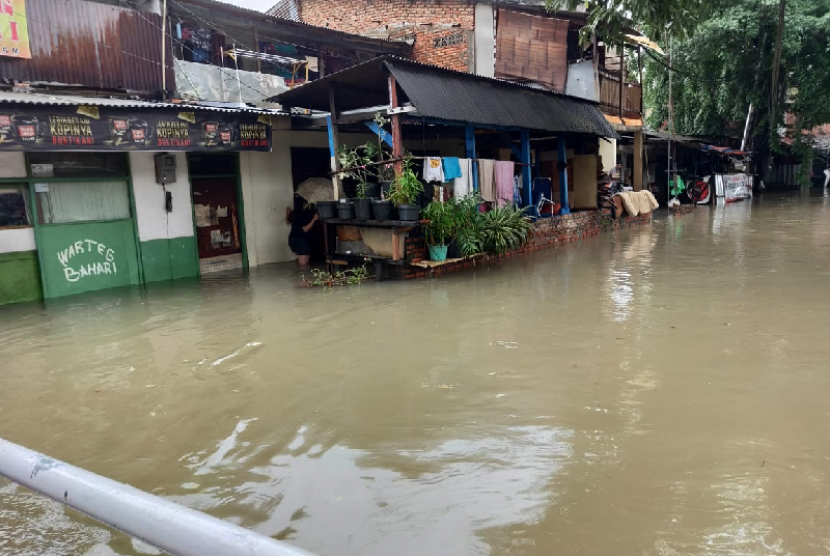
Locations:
(7, 97)
(454, 96)
(450, 95)
(75, 42)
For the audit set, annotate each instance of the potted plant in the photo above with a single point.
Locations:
(440, 229)
(404, 192)
(345, 209)
(467, 241)
(504, 229)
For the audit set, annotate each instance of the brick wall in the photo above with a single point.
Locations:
(443, 30)
(547, 234)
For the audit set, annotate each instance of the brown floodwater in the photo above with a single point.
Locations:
(663, 390)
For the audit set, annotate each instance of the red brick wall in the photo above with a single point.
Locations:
(428, 21)
(547, 234)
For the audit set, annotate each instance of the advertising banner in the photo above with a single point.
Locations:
(14, 29)
(97, 128)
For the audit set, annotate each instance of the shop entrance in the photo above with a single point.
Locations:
(84, 225)
(214, 183)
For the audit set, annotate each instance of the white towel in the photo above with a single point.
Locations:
(464, 185)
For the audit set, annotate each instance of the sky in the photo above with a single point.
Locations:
(259, 5)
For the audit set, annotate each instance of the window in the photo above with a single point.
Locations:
(77, 165)
(60, 203)
(14, 206)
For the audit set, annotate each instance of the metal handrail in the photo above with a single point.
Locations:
(170, 527)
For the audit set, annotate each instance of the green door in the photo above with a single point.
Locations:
(85, 227)
(88, 256)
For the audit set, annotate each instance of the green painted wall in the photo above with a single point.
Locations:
(87, 256)
(19, 277)
(169, 259)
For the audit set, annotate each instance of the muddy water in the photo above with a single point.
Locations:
(661, 390)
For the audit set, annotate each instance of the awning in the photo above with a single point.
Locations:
(38, 122)
(452, 96)
(9, 97)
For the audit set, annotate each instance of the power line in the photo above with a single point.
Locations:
(689, 74)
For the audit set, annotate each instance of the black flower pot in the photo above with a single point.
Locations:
(382, 210)
(363, 209)
(372, 190)
(409, 213)
(327, 209)
(453, 250)
(345, 211)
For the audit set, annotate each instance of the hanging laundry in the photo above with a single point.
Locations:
(487, 180)
(504, 171)
(452, 168)
(463, 185)
(518, 187)
(433, 169)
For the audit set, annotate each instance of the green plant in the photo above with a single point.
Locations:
(468, 224)
(443, 223)
(504, 229)
(323, 278)
(406, 187)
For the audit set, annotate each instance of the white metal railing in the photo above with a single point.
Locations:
(170, 527)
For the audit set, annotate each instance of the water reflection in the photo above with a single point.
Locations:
(430, 500)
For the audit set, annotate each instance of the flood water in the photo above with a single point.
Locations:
(655, 391)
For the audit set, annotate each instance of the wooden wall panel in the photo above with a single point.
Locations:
(532, 48)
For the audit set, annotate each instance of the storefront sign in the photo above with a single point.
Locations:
(14, 29)
(736, 187)
(96, 128)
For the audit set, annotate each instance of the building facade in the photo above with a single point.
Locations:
(90, 98)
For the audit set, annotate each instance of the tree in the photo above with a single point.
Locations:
(610, 18)
(728, 62)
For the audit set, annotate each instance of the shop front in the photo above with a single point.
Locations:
(85, 206)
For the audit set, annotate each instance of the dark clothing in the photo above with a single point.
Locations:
(299, 240)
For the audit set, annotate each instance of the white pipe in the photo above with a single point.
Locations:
(172, 528)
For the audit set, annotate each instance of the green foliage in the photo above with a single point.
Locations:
(504, 229)
(610, 18)
(406, 187)
(365, 163)
(325, 279)
(468, 234)
(726, 64)
(443, 222)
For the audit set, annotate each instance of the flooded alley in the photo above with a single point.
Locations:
(660, 390)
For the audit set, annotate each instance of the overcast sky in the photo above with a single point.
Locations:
(259, 5)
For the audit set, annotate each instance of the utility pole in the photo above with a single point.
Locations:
(164, 51)
(671, 127)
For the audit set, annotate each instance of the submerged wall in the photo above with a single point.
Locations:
(547, 234)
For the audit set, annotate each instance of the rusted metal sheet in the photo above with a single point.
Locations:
(75, 42)
(532, 48)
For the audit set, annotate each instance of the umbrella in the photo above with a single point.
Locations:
(315, 190)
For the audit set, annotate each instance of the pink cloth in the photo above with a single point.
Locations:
(504, 182)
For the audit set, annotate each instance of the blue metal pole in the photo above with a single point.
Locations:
(563, 176)
(470, 144)
(527, 175)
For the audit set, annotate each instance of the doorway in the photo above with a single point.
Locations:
(214, 184)
(310, 162)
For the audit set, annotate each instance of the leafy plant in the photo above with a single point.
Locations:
(504, 229)
(351, 277)
(468, 224)
(443, 223)
(406, 187)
